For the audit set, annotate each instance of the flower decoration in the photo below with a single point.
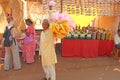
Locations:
(63, 16)
(61, 24)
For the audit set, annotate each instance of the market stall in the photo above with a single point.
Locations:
(77, 41)
(88, 42)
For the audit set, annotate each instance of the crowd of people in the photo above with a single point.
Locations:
(47, 50)
(10, 51)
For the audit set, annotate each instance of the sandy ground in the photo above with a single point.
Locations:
(101, 68)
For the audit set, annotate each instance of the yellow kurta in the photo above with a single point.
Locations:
(47, 49)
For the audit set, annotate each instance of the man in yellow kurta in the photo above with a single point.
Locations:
(47, 51)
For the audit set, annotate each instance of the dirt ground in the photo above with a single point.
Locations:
(101, 68)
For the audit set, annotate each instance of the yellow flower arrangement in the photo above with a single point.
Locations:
(60, 28)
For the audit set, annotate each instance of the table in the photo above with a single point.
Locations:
(86, 48)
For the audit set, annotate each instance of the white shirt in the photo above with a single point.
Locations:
(117, 39)
(9, 26)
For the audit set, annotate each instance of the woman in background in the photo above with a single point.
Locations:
(29, 43)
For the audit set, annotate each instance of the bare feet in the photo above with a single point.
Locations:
(116, 58)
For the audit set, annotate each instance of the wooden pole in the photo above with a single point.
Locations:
(61, 5)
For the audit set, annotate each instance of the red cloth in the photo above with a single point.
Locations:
(86, 48)
(3, 52)
(105, 47)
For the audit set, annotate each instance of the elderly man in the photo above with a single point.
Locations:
(117, 43)
(47, 51)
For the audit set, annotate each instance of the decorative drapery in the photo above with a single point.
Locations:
(87, 7)
(92, 7)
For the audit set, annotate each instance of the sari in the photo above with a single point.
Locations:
(29, 45)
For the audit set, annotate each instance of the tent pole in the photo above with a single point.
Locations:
(61, 5)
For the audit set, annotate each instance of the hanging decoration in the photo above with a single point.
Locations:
(68, 7)
(77, 7)
(92, 7)
(73, 6)
(64, 7)
(45, 9)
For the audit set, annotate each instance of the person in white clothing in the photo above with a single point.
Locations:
(47, 51)
(117, 44)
